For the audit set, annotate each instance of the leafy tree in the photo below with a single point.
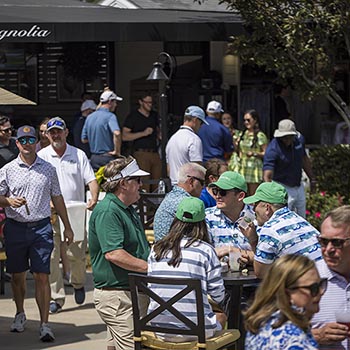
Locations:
(300, 40)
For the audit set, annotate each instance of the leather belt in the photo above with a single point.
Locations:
(149, 150)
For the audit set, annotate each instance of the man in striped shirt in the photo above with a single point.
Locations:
(335, 243)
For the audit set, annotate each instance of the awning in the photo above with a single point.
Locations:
(66, 20)
(11, 99)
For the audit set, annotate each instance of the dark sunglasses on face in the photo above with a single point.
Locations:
(137, 179)
(337, 243)
(221, 192)
(25, 140)
(7, 130)
(55, 123)
(315, 288)
(202, 181)
(247, 120)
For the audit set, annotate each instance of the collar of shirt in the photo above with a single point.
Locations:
(67, 152)
(186, 127)
(37, 161)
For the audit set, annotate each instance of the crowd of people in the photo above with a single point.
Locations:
(232, 191)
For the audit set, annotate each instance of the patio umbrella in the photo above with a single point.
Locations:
(9, 98)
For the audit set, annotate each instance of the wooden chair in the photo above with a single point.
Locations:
(147, 207)
(144, 333)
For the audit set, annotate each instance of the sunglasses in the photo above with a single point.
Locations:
(315, 288)
(25, 140)
(247, 120)
(223, 193)
(7, 130)
(202, 181)
(147, 102)
(337, 243)
(55, 123)
(137, 179)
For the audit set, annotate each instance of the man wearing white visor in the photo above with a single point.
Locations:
(118, 245)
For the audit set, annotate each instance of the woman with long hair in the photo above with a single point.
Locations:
(251, 147)
(186, 252)
(288, 297)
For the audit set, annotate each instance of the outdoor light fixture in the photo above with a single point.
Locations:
(158, 74)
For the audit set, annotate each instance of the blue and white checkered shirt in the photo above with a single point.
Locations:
(37, 183)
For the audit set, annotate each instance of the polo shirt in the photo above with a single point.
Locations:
(98, 129)
(165, 213)
(225, 232)
(216, 139)
(336, 297)
(207, 198)
(73, 170)
(286, 162)
(199, 261)
(183, 147)
(113, 226)
(37, 183)
(287, 233)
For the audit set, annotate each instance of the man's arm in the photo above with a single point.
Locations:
(330, 333)
(94, 190)
(128, 135)
(117, 140)
(61, 210)
(14, 202)
(123, 259)
(260, 269)
(268, 175)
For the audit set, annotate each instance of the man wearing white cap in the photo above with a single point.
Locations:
(118, 245)
(101, 130)
(185, 145)
(87, 107)
(216, 139)
(284, 159)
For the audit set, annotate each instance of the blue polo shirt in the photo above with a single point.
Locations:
(216, 139)
(286, 162)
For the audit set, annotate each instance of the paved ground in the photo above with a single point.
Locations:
(76, 327)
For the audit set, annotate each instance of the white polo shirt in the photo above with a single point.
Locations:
(73, 170)
(183, 147)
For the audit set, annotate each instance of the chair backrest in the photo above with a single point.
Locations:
(147, 206)
(139, 283)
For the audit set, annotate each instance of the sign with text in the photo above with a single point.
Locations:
(26, 32)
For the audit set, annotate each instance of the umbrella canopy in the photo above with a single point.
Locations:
(9, 98)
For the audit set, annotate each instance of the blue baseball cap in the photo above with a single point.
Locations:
(26, 131)
(196, 112)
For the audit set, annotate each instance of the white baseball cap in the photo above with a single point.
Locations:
(88, 104)
(108, 96)
(214, 107)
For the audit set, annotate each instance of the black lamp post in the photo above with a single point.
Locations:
(159, 75)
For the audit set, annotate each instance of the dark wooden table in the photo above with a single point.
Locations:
(234, 283)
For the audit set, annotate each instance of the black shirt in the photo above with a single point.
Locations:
(8, 153)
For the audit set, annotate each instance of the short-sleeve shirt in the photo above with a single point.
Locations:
(286, 162)
(216, 139)
(113, 226)
(225, 232)
(138, 122)
(165, 214)
(336, 297)
(287, 233)
(37, 183)
(73, 170)
(183, 147)
(286, 337)
(98, 130)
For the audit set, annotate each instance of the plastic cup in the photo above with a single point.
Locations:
(343, 317)
(234, 261)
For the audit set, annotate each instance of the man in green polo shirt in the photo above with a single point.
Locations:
(117, 245)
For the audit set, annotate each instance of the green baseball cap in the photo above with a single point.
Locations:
(269, 192)
(229, 180)
(190, 209)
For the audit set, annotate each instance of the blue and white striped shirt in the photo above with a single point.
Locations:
(199, 261)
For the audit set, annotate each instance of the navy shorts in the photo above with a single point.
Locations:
(28, 246)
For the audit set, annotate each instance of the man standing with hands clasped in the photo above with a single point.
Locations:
(27, 184)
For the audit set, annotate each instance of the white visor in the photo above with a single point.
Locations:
(132, 169)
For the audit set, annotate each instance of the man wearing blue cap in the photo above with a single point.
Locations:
(185, 145)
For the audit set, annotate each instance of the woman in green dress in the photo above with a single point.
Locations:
(251, 148)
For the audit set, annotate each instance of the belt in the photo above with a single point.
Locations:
(114, 288)
(101, 154)
(30, 223)
(149, 150)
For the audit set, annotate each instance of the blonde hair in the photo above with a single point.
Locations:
(272, 296)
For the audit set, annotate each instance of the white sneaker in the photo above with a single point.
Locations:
(19, 322)
(46, 334)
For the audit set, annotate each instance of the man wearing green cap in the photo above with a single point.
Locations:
(282, 231)
(224, 219)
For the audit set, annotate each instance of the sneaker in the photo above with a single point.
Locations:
(79, 295)
(46, 334)
(54, 307)
(19, 322)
